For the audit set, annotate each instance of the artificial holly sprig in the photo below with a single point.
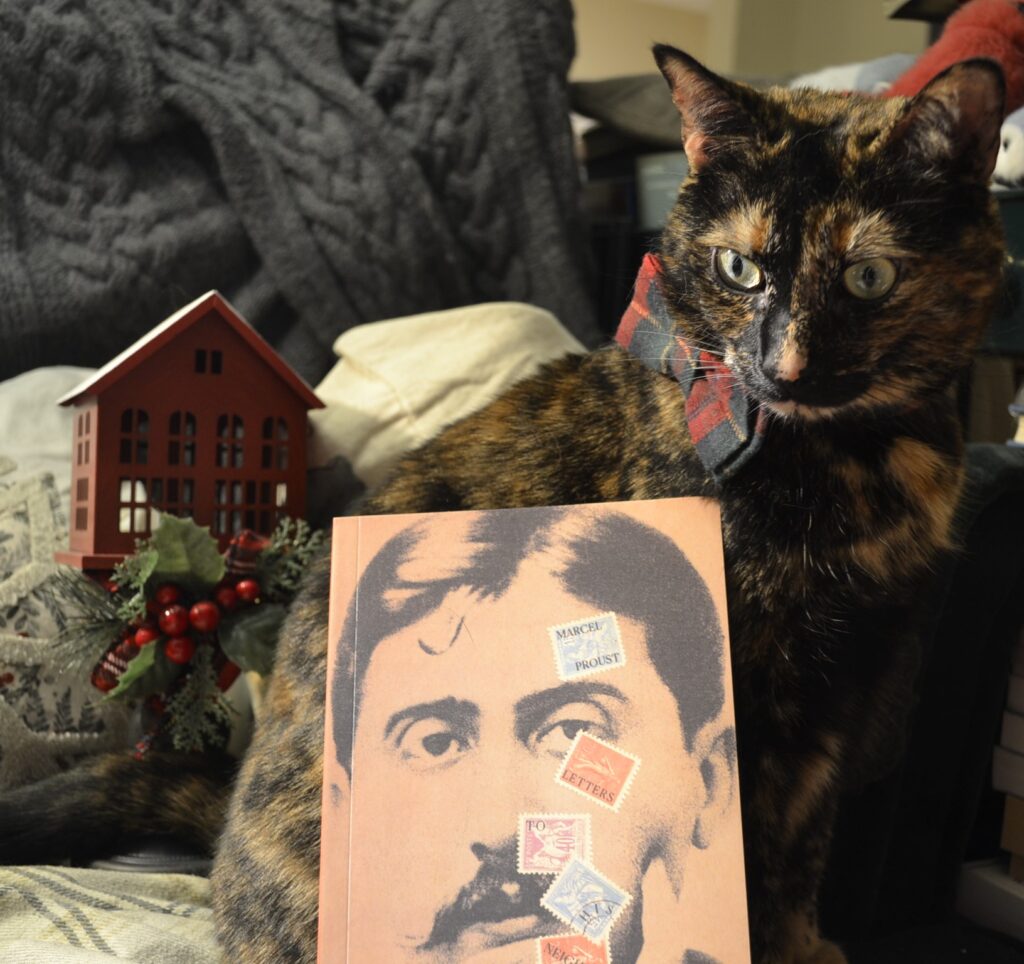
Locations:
(176, 608)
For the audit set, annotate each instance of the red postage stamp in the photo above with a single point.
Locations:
(548, 841)
(597, 770)
(572, 949)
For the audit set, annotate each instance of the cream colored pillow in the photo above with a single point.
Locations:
(399, 382)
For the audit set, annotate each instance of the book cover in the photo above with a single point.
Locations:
(530, 747)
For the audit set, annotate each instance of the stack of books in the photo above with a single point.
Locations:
(1008, 766)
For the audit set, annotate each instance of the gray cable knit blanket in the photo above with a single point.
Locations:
(322, 162)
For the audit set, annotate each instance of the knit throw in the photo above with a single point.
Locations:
(323, 163)
(725, 425)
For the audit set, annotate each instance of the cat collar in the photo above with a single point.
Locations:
(725, 425)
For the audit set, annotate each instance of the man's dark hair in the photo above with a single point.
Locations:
(607, 559)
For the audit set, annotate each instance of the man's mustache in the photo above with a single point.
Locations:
(497, 892)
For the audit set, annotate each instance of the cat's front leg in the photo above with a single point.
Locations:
(265, 879)
(790, 803)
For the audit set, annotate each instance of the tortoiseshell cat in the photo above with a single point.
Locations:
(841, 255)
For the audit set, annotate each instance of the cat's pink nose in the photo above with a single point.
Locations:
(791, 363)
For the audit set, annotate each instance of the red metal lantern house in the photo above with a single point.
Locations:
(199, 418)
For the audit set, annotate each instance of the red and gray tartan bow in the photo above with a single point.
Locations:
(726, 427)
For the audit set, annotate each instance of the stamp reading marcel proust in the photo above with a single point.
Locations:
(586, 646)
(548, 841)
(597, 770)
(586, 901)
(571, 949)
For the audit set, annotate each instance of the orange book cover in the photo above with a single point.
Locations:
(530, 746)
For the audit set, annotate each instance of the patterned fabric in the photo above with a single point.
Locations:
(321, 162)
(726, 427)
(47, 717)
(58, 915)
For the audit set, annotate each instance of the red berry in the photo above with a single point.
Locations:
(167, 593)
(226, 598)
(103, 681)
(180, 649)
(174, 620)
(204, 616)
(110, 585)
(145, 634)
(248, 590)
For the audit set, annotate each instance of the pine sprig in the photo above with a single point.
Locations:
(198, 715)
(130, 576)
(281, 566)
(92, 618)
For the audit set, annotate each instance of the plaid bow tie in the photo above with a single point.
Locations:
(726, 427)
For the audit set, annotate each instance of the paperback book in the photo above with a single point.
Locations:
(530, 750)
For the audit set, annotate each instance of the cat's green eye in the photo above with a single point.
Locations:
(871, 278)
(736, 271)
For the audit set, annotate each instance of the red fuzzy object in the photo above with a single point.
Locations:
(993, 29)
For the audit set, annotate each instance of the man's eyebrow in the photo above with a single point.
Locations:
(457, 711)
(536, 706)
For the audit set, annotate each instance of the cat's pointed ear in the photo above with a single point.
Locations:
(954, 122)
(707, 104)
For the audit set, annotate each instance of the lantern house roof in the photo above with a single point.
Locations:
(150, 343)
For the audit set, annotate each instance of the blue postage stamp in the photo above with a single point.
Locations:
(586, 901)
(586, 646)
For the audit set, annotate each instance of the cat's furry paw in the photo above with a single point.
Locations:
(824, 952)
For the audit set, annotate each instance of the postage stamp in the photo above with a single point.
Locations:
(586, 646)
(572, 949)
(586, 901)
(548, 841)
(597, 770)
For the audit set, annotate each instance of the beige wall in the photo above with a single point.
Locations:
(614, 37)
(783, 37)
(772, 38)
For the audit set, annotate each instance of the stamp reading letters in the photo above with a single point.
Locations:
(587, 646)
(585, 900)
(597, 770)
(571, 949)
(548, 841)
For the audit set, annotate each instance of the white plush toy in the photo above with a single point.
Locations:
(1009, 170)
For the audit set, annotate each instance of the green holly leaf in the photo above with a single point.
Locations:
(249, 638)
(148, 672)
(187, 553)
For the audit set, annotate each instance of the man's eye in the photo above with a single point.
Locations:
(561, 728)
(425, 744)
